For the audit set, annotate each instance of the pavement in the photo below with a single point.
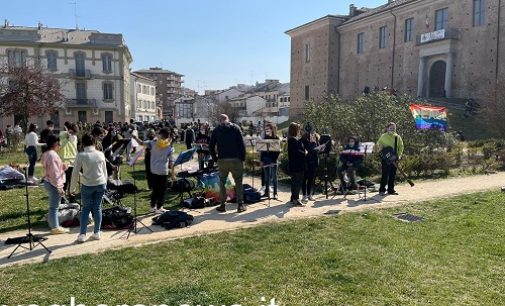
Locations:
(208, 220)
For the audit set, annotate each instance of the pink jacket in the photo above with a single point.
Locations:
(55, 169)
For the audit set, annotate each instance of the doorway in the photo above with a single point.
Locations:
(437, 80)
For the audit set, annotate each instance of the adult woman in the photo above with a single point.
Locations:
(389, 140)
(310, 141)
(68, 151)
(93, 184)
(54, 181)
(269, 162)
(296, 162)
(31, 143)
(161, 160)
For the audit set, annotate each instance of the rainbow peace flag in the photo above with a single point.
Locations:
(429, 117)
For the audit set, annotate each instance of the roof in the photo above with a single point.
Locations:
(316, 21)
(379, 9)
(141, 76)
(158, 70)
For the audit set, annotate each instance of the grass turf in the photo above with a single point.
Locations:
(454, 257)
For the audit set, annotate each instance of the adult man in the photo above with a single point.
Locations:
(389, 140)
(46, 132)
(189, 136)
(9, 135)
(230, 157)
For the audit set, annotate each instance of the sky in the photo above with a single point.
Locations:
(214, 44)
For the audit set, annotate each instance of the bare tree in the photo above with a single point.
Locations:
(27, 91)
(226, 107)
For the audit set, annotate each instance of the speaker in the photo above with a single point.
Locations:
(326, 139)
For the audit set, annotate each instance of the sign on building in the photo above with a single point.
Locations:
(431, 36)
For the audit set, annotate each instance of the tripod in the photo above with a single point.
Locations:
(133, 226)
(32, 240)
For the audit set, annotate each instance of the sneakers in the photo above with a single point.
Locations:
(96, 236)
(392, 192)
(382, 193)
(221, 208)
(160, 210)
(152, 209)
(311, 198)
(262, 190)
(297, 203)
(241, 208)
(59, 230)
(305, 199)
(275, 197)
(81, 238)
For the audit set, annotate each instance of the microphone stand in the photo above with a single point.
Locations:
(32, 240)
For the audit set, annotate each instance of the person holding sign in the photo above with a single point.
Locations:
(390, 146)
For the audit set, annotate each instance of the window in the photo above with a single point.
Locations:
(108, 91)
(80, 65)
(152, 91)
(52, 57)
(307, 93)
(441, 18)
(109, 116)
(139, 88)
(107, 62)
(383, 37)
(479, 12)
(409, 29)
(144, 89)
(80, 92)
(308, 53)
(361, 42)
(16, 58)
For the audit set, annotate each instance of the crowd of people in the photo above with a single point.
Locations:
(89, 156)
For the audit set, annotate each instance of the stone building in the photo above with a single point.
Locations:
(168, 88)
(143, 98)
(426, 48)
(91, 67)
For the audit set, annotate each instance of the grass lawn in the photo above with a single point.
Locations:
(13, 202)
(454, 257)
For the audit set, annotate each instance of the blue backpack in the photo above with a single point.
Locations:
(251, 195)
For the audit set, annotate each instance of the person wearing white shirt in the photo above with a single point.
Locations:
(31, 143)
(93, 185)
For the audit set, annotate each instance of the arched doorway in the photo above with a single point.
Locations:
(437, 79)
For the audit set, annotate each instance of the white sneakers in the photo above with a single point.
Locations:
(311, 198)
(160, 210)
(152, 209)
(305, 199)
(82, 237)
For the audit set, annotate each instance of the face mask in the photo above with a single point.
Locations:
(390, 131)
(351, 143)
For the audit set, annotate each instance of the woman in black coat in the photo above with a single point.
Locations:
(296, 162)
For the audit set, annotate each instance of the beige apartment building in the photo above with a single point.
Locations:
(427, 48)
(91, 67)
(168, 88)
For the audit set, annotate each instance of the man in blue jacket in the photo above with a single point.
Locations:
(230, 157)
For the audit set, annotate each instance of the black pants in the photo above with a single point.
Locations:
(68, 178)
(350, 175)
(296, 184)
(309, 179)
(189, 145)
(159, 185)
(388, 177)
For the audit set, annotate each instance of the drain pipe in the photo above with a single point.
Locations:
(394, 52)
(498, 46)
(338, 61)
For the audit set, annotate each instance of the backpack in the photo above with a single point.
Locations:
(173, 219)
(193, 203)
(251, 195)
(116, 217)
(182, 185)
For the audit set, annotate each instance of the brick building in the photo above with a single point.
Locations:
(427, 48)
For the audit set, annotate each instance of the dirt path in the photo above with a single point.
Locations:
(208, 220)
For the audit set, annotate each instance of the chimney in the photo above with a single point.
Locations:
(352, 10)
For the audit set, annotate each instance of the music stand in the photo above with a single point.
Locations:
(366, 147)
(133, 226)
(184, 157)
(268, 145)
(32, 240)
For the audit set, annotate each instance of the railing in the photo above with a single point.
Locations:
(80, 73)
(73, 103)
(450, 33)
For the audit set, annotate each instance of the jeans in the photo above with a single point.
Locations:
(270, 174)
(54, 203)
(31, 151)
(388, 176)
(296, 184)
(159, 184)
(91, 198)
(236, 167)
(308, 182)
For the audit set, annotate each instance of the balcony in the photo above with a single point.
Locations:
(80, 73)
(77, 103)
(439, 35)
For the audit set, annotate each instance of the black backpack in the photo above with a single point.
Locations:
(182, 185)
(116, 217)
(251, 195)
(173, 219)
(193, 203)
